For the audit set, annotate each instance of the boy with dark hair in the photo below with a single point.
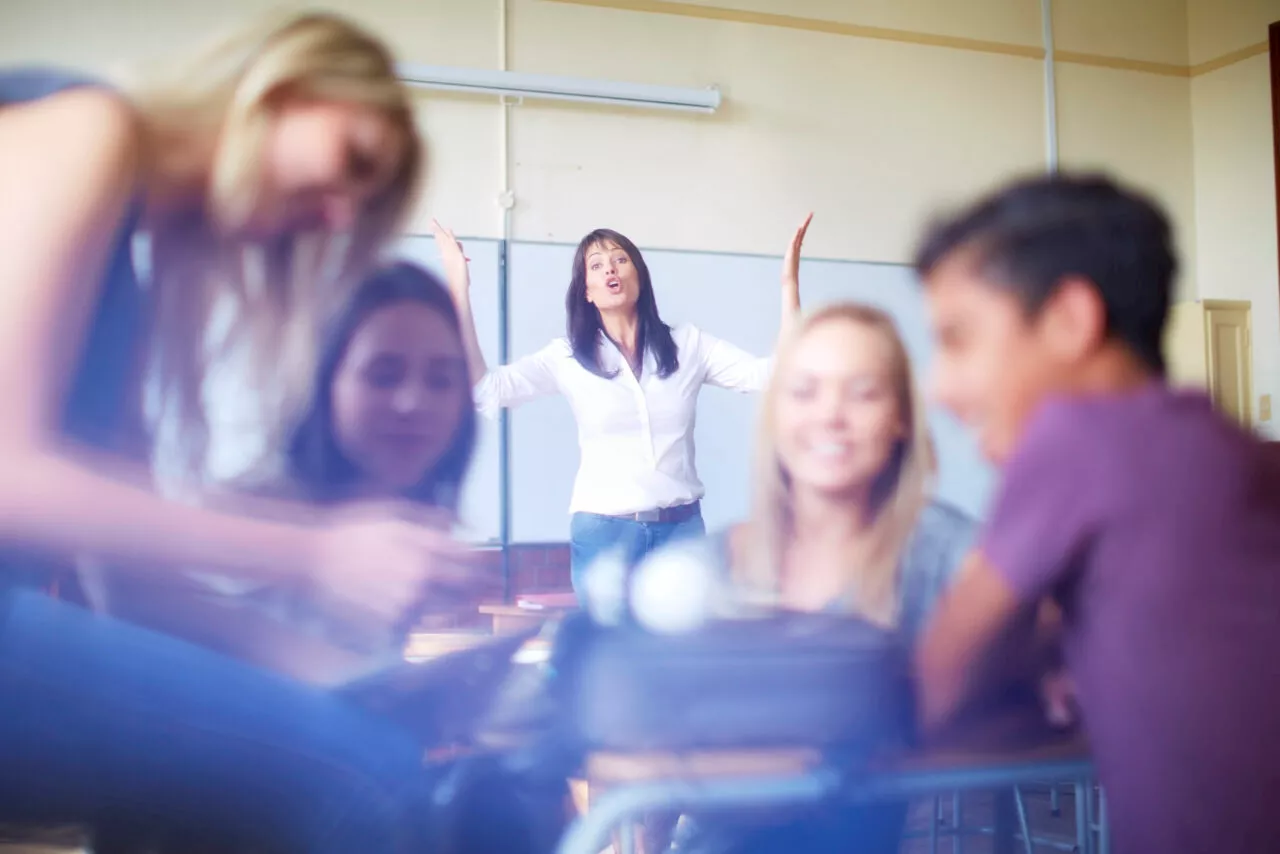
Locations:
(1151, 520)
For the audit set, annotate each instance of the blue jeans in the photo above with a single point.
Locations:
(591, 535)
(108, 723)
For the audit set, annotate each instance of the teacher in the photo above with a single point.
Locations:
(632, 382)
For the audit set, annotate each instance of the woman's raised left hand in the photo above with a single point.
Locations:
(791, 269)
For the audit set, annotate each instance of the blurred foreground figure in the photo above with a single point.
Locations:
(240, 168)
(1151, 519)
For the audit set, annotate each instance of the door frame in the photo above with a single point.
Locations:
(1273, 37)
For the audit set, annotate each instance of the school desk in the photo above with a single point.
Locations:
(508, 619)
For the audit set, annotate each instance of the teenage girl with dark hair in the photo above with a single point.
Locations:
(390, 421)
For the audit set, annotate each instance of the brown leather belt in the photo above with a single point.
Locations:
(665, 515)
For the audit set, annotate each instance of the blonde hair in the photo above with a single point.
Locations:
(897, 497)
(280, 290)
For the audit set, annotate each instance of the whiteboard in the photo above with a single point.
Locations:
(734, 297)
(481, 500)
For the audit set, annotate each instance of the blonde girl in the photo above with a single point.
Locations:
(267, 173)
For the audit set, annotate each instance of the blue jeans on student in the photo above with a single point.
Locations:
(107, 723)
(591, 535)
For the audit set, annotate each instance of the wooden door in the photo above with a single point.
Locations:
(1230, 357)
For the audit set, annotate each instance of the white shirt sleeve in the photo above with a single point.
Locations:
(521, 381)
(727, 366)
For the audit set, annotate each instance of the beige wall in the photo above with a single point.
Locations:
(1235, 199)
(872, 133)
(1219, 27)
(1137, 126)
(1145, 30)
(872, 113)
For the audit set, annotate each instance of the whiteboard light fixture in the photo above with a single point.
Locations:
(517, 84)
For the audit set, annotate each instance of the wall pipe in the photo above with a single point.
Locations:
(506, 201)
(1050, 88)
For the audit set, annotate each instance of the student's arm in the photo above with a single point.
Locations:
(458, 275)
(68, 167)
(1051, 507)
(791, 279)
(975, 642)
(63, 203)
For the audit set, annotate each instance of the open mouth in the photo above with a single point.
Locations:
(614, 285)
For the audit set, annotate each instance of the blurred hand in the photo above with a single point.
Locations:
(454, 259)
(1058, 696)
(375, 567)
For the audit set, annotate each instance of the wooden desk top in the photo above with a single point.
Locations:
(497, 609)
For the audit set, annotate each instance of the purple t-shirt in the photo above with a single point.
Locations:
(1156, 524)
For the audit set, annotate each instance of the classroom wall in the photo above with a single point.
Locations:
(103, 35)
(872, 113)
(1235, 177)
(1218, 28)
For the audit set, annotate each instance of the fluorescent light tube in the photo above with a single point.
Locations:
(518, 84)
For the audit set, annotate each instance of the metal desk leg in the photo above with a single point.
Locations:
(935, 819)
(1084, 833)
(957, 822)
(1023, 825)
(1090, 844)
(1104, 829)
(1005, 819)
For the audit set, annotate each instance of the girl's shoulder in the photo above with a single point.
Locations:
(941, 521)
(942, 536)
(22, 85)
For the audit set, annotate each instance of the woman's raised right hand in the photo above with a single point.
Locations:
(454, 260)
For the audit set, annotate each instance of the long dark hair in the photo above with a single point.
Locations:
(316, 462)
(583, 318)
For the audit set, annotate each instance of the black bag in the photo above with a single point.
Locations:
(788, 680)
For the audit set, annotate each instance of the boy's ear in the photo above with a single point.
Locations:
(1073, 321)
